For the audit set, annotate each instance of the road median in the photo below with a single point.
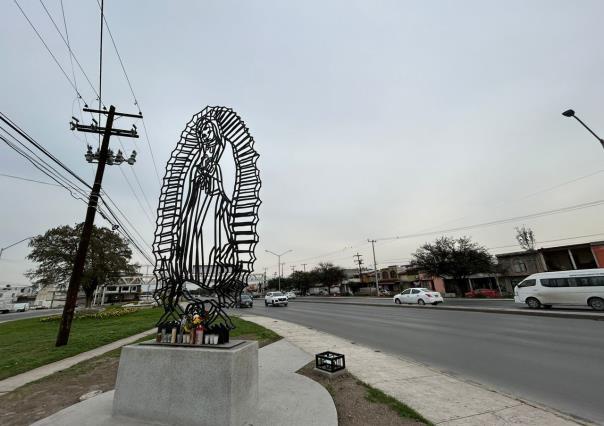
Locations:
(506, 311)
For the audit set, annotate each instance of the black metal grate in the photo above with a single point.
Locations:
(330, 361)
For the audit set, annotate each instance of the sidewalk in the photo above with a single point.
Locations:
(285, 398)
(440, 398)
(12, 383)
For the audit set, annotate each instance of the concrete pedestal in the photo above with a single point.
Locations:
(188, 385)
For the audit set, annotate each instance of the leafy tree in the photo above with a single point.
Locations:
(457, 258)
(525, 238)
(273, 284)
(328, 274)
(108, 257)
(303, 280)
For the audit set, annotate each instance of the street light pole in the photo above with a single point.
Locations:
(13, 244)
(278, 263)
(571, 113)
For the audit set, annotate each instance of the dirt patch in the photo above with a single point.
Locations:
(354, 402)
(46, 396)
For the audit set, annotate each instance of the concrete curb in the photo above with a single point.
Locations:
(14, 382)
(558, 314)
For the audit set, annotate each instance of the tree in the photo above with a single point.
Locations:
(526, 238)
(108, 257)
(457, 258)
(328, 274)
(303, 280)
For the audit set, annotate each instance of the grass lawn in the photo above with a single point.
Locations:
(39, 399)
(30, 343)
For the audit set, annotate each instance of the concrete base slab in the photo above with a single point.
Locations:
(195, 385)
(286, 398)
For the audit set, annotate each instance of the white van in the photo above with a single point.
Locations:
(578, 287)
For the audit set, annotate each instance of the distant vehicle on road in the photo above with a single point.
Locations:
(577, 287)
(246, 301)
(483, 293)
(275, 298)
(290, 295)
(5, 307)
(419, 296)
(20, 307)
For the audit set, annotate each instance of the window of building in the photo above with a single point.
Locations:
(392, 274)
(519, 266)
(111, 288)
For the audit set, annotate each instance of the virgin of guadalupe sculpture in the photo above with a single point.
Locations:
(206, 235)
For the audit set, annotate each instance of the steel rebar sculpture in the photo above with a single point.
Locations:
(205, 235)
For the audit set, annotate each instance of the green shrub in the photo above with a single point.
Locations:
(104, 314)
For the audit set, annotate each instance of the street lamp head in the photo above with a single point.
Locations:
(569, 113)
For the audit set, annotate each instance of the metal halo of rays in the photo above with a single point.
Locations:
(205, 236)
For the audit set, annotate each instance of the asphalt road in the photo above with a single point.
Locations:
(465, 302)
(29, 314)
(552, 361)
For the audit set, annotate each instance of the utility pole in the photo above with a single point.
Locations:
(304, 267)
(359, 261)
(281, 270)
(293, 268)
(104, 156)
(377, 288)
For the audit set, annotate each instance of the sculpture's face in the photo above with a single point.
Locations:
(208, 135)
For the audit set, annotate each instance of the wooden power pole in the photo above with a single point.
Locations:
(102, 157)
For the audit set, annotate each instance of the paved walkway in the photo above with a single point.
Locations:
(440, 398)
(12, 383)
(285, 398)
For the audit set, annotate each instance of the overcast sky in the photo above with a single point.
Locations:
(373, 119)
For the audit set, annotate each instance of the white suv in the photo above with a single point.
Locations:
(275, 298)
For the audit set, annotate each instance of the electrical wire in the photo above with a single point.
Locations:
(71, 83)
(67, 183)
(136, 102)
(28, 180)
(72, 55)
(500, 221)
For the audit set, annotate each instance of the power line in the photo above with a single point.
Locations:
(48, 49)
(29, 180)
(136, 102)
(43, 166)
(501, 221)
(29, 139)
(72, 55)
(64, 181)
(140, 187)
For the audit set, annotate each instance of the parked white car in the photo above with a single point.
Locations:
(275, 298)
(290, 295)
(419, 296)
(583, 287)
(20, 307)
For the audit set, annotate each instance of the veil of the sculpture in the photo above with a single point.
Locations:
(241, 217)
